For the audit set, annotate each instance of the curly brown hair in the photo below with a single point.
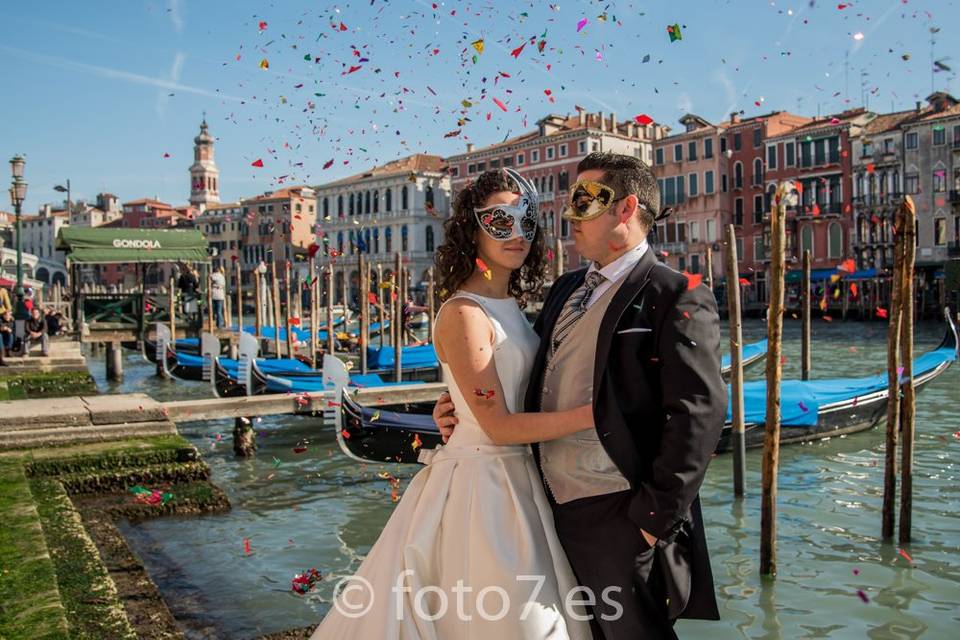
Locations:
(456, 257)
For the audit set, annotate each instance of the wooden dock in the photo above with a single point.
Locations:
(57, 421)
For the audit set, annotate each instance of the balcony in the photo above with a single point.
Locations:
(674, 247)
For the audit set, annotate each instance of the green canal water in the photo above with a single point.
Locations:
(321, 509)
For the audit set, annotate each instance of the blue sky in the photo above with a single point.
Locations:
(100, 91)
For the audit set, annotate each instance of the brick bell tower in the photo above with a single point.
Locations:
(204, 175)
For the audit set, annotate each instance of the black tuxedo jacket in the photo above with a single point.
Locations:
(659, 404)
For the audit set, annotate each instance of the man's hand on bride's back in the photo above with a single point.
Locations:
(443, 415)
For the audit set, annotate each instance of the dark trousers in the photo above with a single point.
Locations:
(218, 313)
(605, 548)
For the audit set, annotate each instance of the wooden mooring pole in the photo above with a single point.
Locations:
(805, 318)
(908, 404)
(771, 442)
(364, 311)
(737, 439)
(397, 323)
(239, 300)
(380, 313)
(275, 290)
(314, 312)
(331, 332)
(288, 309)
(431, 305)
(895, 316)
(257, 303)
(709, 279)
(172, 299)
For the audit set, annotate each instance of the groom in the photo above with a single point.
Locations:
(641, 342)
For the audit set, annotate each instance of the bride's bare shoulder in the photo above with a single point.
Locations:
(462, 320)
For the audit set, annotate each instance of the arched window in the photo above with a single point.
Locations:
(353, 242)
(326, 207)
(404, 203)
(806, 239)
(340, 242)
(429, 239)
(757, 171)
(367, 239)
(404, 240)
(834, 240)
(859, 189)
(376, 201)
(366, 206)
(550, 184)
(340, 206)
(738, 175)
(376, 238)
(428, 197)
(895, 187)
(388, 239)
(389, 203)
(351, 204)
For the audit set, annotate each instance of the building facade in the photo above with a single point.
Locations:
(690, 171)
(221, 224)
(549, 155)
(272, 224)
(398, 206)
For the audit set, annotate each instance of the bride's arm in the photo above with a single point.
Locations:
(465, 339)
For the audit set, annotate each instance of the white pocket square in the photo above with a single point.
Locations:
(635, 330)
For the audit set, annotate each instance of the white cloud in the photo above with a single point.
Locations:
(175, 16)
(163, 96)
(729, 90)
(118, 74)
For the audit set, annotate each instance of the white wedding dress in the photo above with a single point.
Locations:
(470, 550)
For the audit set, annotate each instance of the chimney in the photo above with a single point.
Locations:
(918, 106)
(734, 118)
(469, 147)
(613, 121)
(600, 118)
(582, 117)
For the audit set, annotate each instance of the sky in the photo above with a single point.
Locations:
(110, 94)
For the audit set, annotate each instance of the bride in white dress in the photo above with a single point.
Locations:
(470, 550)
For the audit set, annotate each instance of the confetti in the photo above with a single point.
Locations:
(500, 104)
(376, 416)
(882, 313)
(264, 64)
(803, 407)
(848, 265)
(484, 393)
(516, 52)
(478, 45)
(643, 119)
(246, 546)
(581, 24)
(417, 443)
(302, 583)
(905, 555)
(863, 596)
(263, 25)
(674, 32)
(487, 273)
(257, 163)
(858, 36)
(694, 280)
(345, 433)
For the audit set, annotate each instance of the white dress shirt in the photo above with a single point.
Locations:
(616, 270)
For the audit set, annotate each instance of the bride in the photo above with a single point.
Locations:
(470, 550)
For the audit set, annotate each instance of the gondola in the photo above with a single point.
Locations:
(750, 353)
(810, 410)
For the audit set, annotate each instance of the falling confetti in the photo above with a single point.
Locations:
(478, 45)
(581, 24)
(674, 32)
(694, 280)
(484, 393)
(905, 555)
(643, 119)
(302, 583)
(863, 596)
(487, 273)
(417, 443)
(246, 546)
(257, 163)
(264, 64)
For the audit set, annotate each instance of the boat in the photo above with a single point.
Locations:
(750, 353)
(810, 410)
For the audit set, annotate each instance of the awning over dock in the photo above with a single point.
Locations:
(118, 245)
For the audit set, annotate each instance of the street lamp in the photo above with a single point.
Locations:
(66, 189)
(18, 193)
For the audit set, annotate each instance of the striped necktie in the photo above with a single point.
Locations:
(575, 307)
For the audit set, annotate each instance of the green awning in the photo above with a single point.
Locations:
(116, 244)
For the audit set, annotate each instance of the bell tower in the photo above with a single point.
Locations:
(204, 175)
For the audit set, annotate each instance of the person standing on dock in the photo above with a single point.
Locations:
(218, 294)
(641, 342)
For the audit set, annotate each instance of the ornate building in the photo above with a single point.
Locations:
(204, 175)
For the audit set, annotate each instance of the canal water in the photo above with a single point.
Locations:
(321, 509)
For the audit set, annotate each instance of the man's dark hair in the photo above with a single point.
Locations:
(625, 175)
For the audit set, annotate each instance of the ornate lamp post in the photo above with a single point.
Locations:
(18, 193)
